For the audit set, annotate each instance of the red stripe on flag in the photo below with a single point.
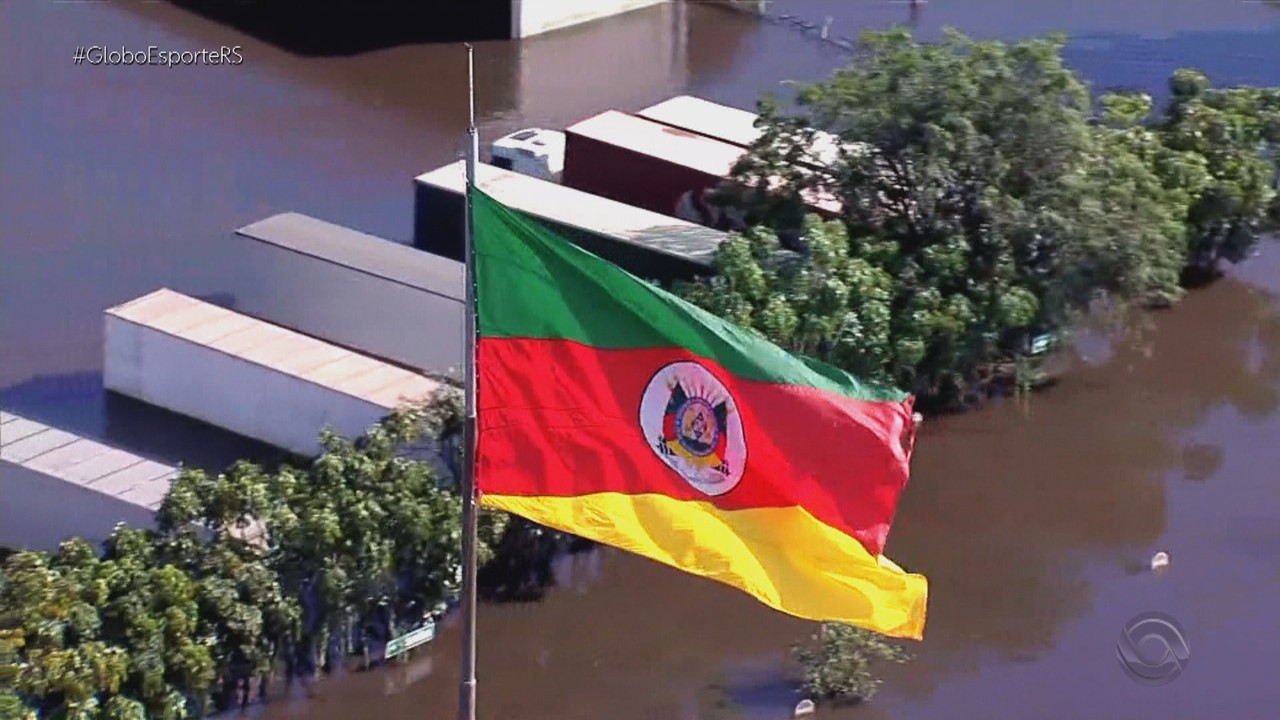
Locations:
(560, 418)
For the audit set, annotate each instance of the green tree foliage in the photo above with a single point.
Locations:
(368, 539)
(987, 200)
(1235, 133)
(243, 610)
(51, 623)
(12, 642)
(837, 665)
(248, 569)
(150, 628)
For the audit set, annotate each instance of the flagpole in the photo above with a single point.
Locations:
(467, 690)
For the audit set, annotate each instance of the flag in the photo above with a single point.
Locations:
(615, 411)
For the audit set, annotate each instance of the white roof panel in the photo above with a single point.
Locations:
(584, 211)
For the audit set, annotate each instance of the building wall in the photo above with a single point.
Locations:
(753, 7)
(637, 59)
(533, 17)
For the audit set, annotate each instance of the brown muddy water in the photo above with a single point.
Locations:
(1031, 519)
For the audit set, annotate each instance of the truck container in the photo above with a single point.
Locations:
(641, 162)
(738, 127)
(58, 485)
(706, 118)
(660, 167)
(351, 289)
(648, 244)
(724, 123)
(247, 376)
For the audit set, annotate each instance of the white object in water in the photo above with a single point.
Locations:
(804, 707)
(1159, 561)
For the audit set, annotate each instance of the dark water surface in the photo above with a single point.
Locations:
(1030, 519)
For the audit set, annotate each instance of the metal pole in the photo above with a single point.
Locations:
(467, 691)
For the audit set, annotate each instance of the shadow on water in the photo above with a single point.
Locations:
(131, 423)
(756, 690)
(331, 29)
(1201, 461)
(531, 560)
(72, 402)
(221, 299)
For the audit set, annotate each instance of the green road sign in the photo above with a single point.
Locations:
(411, 639)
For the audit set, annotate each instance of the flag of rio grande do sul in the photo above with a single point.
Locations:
(615, 411)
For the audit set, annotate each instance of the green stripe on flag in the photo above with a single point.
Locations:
(530, 283)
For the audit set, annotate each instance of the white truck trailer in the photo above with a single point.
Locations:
(247, 376)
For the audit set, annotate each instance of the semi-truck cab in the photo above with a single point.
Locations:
(532, 151)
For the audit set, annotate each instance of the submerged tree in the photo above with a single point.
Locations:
(1144, 191)
(244, 611)
(963, 169)
(367, 539)
(1235, 132)
(116, 636)
(248, 568)
(63, 667)
(837, 666)
(985, 204)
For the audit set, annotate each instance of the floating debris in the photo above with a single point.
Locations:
(804, 707)
(1159, 562)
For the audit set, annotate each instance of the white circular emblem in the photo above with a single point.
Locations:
(691, 422)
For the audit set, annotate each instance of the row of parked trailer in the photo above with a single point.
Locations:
(384, 325)
(656, 246)
(385, 311)
(633, 188)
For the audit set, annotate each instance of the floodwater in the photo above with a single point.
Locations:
(1033, 520)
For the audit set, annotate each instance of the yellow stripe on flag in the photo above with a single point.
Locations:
(784, 557)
